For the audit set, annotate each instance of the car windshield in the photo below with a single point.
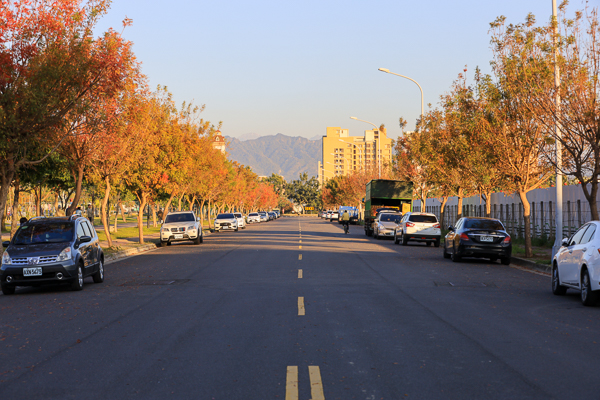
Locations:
(179, 218)
(225, 216)
(423, 218)
(238, 215)
(390, 217)
(253, 215)
(49, 232)
(490, 224)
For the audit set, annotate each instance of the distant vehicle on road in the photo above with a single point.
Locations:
(478, 237)
(386, 193)
(264, 217)
(353, 211)
(576, 264)
(47, 251)
(418, 227)
(240, 219)
(226, 222)
(253, 218)
(385, 223)
(333, 216)
(180, 226)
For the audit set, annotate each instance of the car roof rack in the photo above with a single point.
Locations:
(36, 218)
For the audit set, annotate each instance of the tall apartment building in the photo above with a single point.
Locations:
(343, 154)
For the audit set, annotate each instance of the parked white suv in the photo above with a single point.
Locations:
(418, 227)
(180, 226)
(240, 219)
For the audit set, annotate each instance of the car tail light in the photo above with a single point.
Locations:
(409, 224)
(506, 240)
(437, 226)
(464, 236)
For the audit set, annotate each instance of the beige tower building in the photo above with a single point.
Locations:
(344, 154)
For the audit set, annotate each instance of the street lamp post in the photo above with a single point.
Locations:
(378, 139)
(420, 88)
(559, 184)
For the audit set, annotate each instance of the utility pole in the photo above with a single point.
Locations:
(558, 233)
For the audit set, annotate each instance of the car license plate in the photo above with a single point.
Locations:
(486, 238)
(178, 236)
(37, 271)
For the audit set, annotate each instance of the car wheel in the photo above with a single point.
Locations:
(396, 241)
(557, 288)
(236, 229)
(455, 256)
(404, 240)
(99, 275)
(77, 283)
(446, 254)
(198, 240)
(588, 297)
(428, 243)
(436, 243)
(6, 290)
(505, 260)
(169, 243)
(163, 244)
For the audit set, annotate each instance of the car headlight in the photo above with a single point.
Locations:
(165, 230)
(191, 228)
(6, 258)
(64, 255)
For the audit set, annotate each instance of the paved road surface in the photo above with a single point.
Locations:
(221, 320)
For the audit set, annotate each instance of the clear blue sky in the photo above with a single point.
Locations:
(296, 67)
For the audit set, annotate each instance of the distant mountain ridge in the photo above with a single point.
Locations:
(277, 154)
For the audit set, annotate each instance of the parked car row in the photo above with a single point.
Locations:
(66, 250)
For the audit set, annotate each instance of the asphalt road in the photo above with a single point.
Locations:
(222, 320)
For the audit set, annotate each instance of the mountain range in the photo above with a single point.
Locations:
(277, 154)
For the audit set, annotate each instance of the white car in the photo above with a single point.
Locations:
(419, 227)
(264, 217)
(180, 226)
(385, 223)
(576, 264)
(226, 222)
(333, 216)
(253, 217)
(240, 219)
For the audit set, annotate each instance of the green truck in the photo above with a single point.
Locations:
(386, 193)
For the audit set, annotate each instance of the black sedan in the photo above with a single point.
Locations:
(478, 237)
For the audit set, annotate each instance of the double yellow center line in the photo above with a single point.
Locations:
(316, 384)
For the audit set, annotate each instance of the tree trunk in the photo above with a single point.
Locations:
(423, 200)
(460, 193)
(122, 208)
(143, 199)
(8, 174)
(444, 200)
(202, 212)
(590, 196)
(104, 214)
(208, 217)
(526, 218)
(15, 209)
(78, 175)
(487, 196)
(168, 206)
(154, 215)
(179, 202)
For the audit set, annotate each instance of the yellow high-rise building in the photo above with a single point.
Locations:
(344, 154)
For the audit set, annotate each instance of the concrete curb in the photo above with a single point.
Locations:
(530, 265)
(137, 250)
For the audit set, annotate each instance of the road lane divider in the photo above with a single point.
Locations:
(301, 310)
(291, 383)
(300, 247)
(299, 256)
(299, 274)
(316, 384)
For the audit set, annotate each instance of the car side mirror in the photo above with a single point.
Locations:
(85, 239)
(565, 242)
(5, 244)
